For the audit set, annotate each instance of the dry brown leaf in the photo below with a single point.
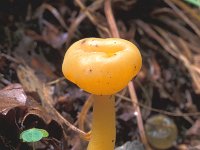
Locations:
(14, 96)
(20, 111)
(10, 97)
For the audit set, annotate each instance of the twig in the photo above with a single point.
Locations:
(3, 80)
(87, 105)
(183, 16)
(10, 58)
(119, 99)
(56, 81)
(186, 8)
(138, 116)
(115, 33)
(31, 83)
(54, 12)
(90, 16)
(193, 70)
(47, 101)
(160, 111)
(146, 28)
(110, 19)
(73, 27)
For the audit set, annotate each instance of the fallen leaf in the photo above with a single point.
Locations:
(10, 97)
(18, 110)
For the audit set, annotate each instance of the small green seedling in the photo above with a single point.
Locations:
(194, 2)
(33, 135)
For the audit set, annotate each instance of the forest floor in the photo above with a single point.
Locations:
(34, 36)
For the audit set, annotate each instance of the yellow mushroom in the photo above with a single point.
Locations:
(161, 131)
(102, 67)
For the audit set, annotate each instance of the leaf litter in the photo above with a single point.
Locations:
(34, 94)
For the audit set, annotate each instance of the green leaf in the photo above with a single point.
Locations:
(44, 132)
(194, 2)
(33, 135)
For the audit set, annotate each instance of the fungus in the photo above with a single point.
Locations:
(161, 131)
(102, 67)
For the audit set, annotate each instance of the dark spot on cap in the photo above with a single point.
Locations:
(90, 70)
(83, 41)
(113, 141)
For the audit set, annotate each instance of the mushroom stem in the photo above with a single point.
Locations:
(103, 124)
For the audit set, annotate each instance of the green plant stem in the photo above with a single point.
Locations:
(33, 144)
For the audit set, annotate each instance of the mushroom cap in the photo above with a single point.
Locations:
(161, 131)
(101, 66)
